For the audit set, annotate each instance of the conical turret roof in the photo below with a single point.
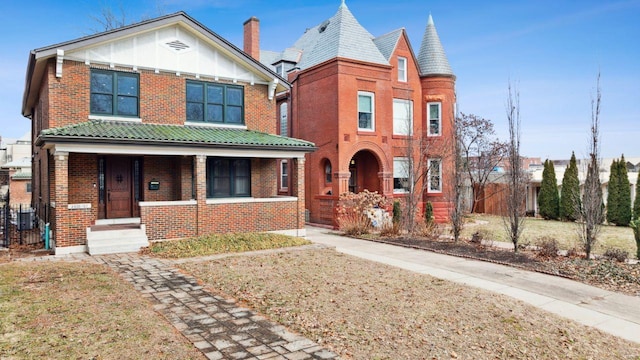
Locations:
(431, 59)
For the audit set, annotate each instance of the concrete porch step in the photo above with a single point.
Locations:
(120, 239)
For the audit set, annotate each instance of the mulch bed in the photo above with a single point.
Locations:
(604, 273)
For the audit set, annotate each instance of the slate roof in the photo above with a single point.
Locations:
(431, 59)
(139, 133)
(387, 43)
(340, 36)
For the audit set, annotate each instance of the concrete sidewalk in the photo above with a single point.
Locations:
(611, 312)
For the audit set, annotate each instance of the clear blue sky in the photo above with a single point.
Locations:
(551, 49)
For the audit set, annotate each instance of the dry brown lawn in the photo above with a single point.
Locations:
(366, 310)
(80, 311)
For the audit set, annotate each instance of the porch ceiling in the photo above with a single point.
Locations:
(136, 133)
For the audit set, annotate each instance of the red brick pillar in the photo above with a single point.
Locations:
(386, 179)
(298, 188)
(343, 182)
(61, 199)
(201, 192)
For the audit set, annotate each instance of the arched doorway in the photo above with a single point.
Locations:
(364, 169)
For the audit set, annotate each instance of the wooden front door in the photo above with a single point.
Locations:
(119, 186)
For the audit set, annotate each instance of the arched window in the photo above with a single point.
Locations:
(327, 171)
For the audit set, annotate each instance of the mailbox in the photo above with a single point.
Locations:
(154, 185)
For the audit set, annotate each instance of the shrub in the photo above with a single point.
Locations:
(390, 229)
(428, 212)
(430, 230)
(352, 211)
(477, 237)
(397, 212)
(616, 254)
(547, 247)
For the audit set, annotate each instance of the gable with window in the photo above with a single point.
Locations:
(434, 118)
(114, 93)
(228, 177)
(435, 175)
(366, 106)
(402, 117)
(401, 173)
(402, 69)
(215, 103)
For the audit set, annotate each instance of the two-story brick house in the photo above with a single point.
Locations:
(365, 101)
(157, 130)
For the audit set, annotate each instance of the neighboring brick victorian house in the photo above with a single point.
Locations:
(359, 98)
(157, 130)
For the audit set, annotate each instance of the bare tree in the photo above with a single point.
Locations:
(108, 20)
(516, 176)
(591, 211)
(456, 192)
(481, 150)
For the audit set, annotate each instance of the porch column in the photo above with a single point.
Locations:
(61, 199)
(343, 182)
(298, 188)
(386, 180)
(201, 191)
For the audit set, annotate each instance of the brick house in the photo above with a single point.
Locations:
(157, 130)
(360, 99)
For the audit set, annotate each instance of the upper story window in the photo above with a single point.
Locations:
(280, 69)
(328, 172)
(366, 115)
(435, 175)
(228, 177)
(402, 69)
(215, 103)
(402, 117)
(284, 119)
(434, 120)
(114, 93)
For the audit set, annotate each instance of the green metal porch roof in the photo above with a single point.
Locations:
(141, 133)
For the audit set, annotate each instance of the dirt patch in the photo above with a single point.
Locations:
(366, 310)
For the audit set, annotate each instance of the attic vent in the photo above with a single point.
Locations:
(323, 26)
(177, 45)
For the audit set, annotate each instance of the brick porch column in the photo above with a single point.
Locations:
(298, 188)
(343, 182)
(386, 180)
(201, 192)
(61, 199)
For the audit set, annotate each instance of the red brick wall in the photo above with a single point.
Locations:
(166, 170)
(169, 222)
(248, 217)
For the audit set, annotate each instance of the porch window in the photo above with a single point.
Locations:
(401, 175)
(366, 108)
(215, 103)
(284, 175)
(114, 93)
(402, 117)
(434, 118)
(435, 175)
(228, 177)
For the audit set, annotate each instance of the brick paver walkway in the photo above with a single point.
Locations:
(218, 327)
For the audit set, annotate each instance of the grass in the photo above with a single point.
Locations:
(80, 311)
(365, 310)
(223, 243)
(565, 233)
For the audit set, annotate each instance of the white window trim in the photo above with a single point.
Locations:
(284, 186)
(404, 102)
(373, 110)
(429, 118)
(404, 69)
(405, 159)
(429, 189)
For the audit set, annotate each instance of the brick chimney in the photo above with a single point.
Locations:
(252, 37)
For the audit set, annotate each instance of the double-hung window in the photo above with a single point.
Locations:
(215, 103)
(284, 116)
(114, 93)
(434, 114)
(284, 175)
(402, 69)
(228, 177)
(366, 114)
(401, 175)
(435, 175)
(402, 117)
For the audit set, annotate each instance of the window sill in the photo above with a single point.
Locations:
(240, 200)
(115, 118)
(366, 132)
(212, 125)
(400, 136)
(167, 203)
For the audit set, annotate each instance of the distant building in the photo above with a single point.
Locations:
(15, 170)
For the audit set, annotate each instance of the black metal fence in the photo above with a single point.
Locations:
(20, 225)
